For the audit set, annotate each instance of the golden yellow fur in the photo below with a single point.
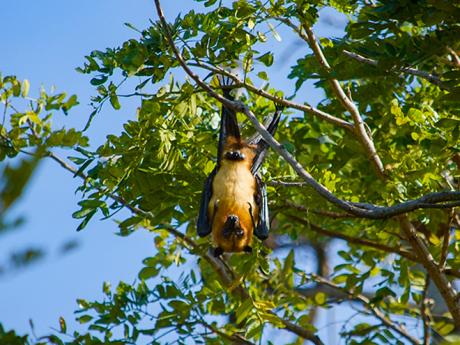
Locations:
(234, 187)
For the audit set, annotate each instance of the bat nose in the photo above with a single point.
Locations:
(231, 225)
(232, 219)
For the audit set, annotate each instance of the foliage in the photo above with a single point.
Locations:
(157, 165)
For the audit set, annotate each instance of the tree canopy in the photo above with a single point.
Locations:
(367, 179)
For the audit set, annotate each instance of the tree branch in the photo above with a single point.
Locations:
(426, 259)
(346, 102)
(302, 107)
(361, 210)
(235, 339)
(434, 79)
(446, 199)
(359, 125)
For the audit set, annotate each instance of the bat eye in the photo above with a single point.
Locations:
(234, 155)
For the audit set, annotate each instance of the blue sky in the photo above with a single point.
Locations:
(43, 41)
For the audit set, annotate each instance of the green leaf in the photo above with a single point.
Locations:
(244, 310)
(114, 101)
(71, 102)
(100, 80)
(82, 168)
(84, 319)
(262, 75)
(86, 220)
(320, 298)
(62, 325)
(25, 88)
(266, 59)
(274, 32)
(148, 272)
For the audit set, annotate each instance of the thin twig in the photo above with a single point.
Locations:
(295, 28)
(446, 240)
(434, 79)
(319, 212)
(424, 311)
(452, 272)
(235, 338)
(287, 183)
(455, 57)
(355, 240)
(302, 332)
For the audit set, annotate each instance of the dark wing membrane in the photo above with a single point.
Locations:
(263, 225)
(229, 123)
(262, 146)
(204, 224)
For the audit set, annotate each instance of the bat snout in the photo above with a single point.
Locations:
(232, 219)
(232, 227)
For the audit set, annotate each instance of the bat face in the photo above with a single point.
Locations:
(232, 208)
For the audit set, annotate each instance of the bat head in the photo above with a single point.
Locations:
(237, 150)
(232, 227)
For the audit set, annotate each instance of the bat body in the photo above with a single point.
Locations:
(234, 188)
(234, 201)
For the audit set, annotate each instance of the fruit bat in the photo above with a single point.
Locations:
(234, 200)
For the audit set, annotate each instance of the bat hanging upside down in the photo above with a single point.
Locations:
(234, 201)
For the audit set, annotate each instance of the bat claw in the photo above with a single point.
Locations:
(247, 249)
(218, 252)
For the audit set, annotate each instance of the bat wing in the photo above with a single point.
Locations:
(203, 224)
(262, 145)
(263, 225)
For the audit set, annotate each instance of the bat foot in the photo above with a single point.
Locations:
(218, 252)
(247, 249)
